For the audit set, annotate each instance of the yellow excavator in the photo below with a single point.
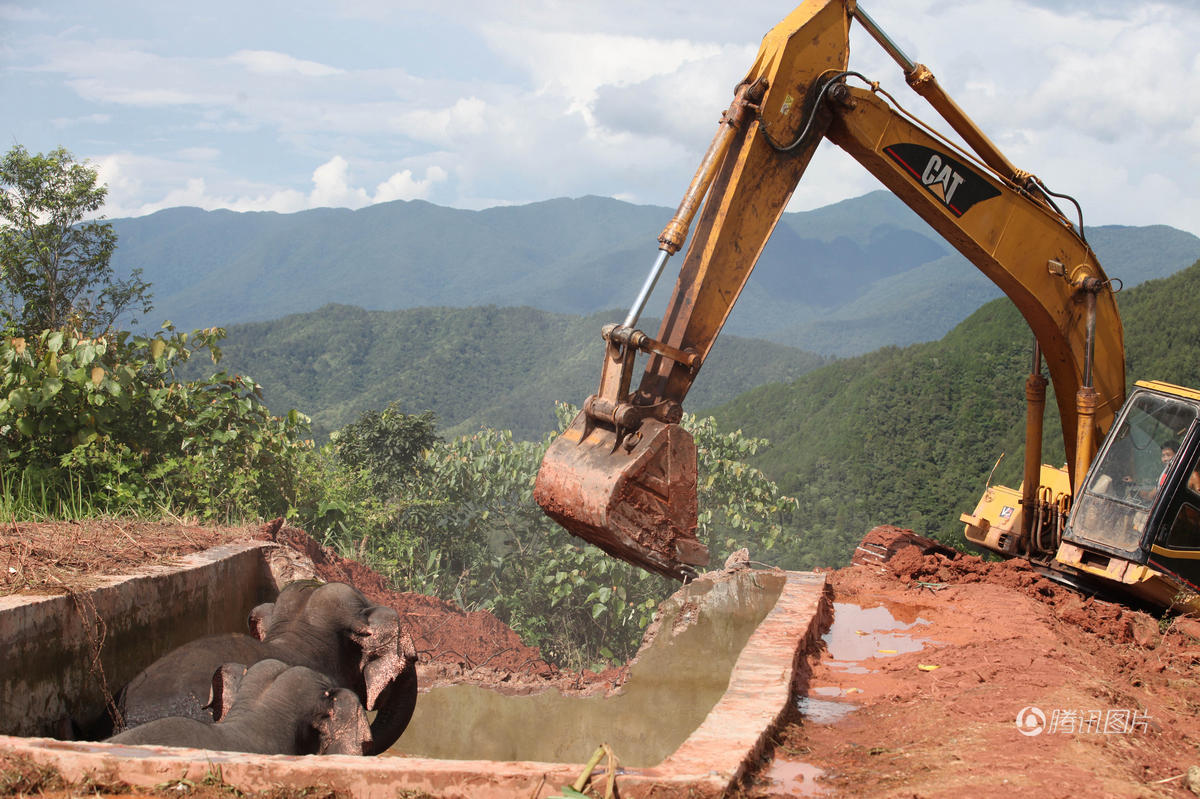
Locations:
(1124, 512)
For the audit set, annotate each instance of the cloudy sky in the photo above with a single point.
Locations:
(265, 105)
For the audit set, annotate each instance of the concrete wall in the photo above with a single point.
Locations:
(708, 765)
(48, 669)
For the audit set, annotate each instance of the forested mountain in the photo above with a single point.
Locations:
(908, 436)
(495, 367)
(843, 279)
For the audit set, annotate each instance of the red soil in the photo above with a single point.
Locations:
(1001, 639)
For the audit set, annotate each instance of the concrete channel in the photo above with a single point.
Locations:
(699, 707)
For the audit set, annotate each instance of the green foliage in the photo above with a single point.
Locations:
(1162, 339)
(25, 498)
(465, 527)
(737, 502)
(54, 268)
(104, 418)
(386, 445)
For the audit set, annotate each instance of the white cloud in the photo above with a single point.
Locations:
(551, 99)
(684, 104)
(15, 13)
(126, 95)
(200, 153)
(330, 187)
(575, 65)
(466, 117)
(404, 186)
(130, 178)
(272, 63)
(89, 119)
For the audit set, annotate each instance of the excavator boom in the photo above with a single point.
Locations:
(623, 475)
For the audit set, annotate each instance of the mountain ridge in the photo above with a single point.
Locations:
(840, 280)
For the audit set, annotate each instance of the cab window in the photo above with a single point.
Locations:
(1184, 530)
(1141, 450)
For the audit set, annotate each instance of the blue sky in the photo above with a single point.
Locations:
(285, 106)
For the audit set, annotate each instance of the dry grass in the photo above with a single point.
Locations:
(61, 557)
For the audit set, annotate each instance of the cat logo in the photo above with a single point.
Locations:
(940, 179)
(955, 185)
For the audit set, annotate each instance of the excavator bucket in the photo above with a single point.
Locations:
(633, 496)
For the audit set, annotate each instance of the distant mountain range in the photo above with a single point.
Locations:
(840, 280)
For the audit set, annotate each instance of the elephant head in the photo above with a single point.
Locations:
(301, 710)
(334, 629)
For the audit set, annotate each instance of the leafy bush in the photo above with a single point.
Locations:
(105, 417)
(386, 445)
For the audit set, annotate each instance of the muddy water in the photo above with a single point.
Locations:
(673, 684)
(793, 778)
(860, 635)
(855, 641)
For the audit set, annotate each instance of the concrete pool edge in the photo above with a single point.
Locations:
(712, 759)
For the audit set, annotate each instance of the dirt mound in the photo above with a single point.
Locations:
(912, 563)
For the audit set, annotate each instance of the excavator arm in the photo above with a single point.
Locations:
(623, 475)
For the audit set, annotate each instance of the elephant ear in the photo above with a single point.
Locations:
(259, 620)
(343, 727)
(225, 683)
(388, 664)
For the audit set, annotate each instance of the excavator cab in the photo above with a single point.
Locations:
(1137, 518)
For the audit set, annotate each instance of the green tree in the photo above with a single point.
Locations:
(54, 267)
(387, 445)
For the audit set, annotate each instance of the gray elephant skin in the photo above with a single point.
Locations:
(330, 628)
(271, 708)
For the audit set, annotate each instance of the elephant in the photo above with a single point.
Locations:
(270, 708)
(330, 628)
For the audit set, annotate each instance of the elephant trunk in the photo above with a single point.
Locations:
(389, 671)
(395, 709)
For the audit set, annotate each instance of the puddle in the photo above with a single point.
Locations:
(827, 690)
(824, 711)
(859, 634)
(794, 778)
